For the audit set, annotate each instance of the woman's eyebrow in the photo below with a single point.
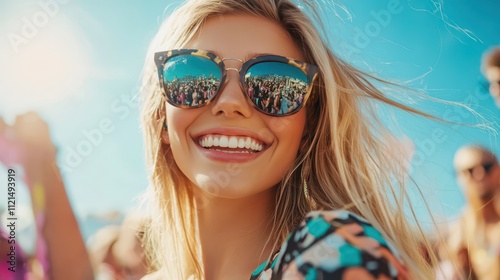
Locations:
(246, 58)
(254, 54)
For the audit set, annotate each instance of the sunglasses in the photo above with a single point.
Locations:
(479, 171)
(276, 85)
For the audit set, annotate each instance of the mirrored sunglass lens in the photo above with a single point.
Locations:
(190, 80)
(275, 87)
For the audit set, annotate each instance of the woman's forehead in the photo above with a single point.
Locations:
(243, 37)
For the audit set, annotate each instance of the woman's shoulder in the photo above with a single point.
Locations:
(334, 244)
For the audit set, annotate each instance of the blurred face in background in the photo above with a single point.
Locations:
(478, 173)
(492, 74)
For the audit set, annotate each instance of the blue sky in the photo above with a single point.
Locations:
(198, 66)
(80, 67)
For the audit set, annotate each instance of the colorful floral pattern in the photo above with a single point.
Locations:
(333, 245)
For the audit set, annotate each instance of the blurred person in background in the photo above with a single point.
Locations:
(116, 251)
(490, 67)
(60, 250)
(474, 239)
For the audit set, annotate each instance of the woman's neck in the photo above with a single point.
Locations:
(233, 234)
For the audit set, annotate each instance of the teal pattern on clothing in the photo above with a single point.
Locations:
(329, 244)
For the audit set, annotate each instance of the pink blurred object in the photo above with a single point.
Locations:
(10, 152)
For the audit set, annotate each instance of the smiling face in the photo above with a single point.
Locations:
(227, 147)
(478, 172)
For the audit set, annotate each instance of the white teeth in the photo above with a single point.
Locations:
(231, 142)
(241, 143)
(223, 141)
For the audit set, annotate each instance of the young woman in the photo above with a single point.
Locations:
(238, 192)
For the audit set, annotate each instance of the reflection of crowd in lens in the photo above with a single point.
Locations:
(276, 94)
(273, 94)
(191, 91)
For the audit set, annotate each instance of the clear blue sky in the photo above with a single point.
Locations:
(83, 60)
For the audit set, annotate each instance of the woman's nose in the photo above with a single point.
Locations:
(231, 101)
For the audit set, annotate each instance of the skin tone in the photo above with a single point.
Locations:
(29, 134)
(492, 74)
(235, 197)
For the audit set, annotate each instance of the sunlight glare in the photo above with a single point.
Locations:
(47, 69)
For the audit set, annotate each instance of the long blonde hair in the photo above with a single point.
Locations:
(343, 161)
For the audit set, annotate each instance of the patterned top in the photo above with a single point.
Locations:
(333, 245)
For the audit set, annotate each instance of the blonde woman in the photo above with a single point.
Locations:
(241, 193)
